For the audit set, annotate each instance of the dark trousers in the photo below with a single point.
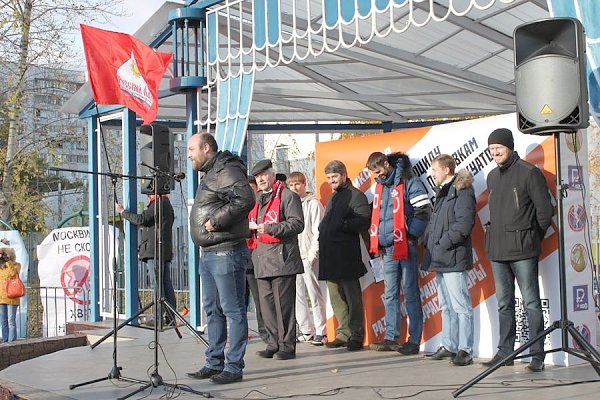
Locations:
(346, 300)
(278, 307)
(253, 289)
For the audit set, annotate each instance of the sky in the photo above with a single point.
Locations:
(138, 12)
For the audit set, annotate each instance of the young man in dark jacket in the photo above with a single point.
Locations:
(148, 239)
(401, 210)
(520, 214)
(219, 224)
(340, 262)
(449, 253)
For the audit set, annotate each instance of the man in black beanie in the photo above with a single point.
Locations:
(520, 214)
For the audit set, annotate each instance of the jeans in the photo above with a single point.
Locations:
(405, 272)
(167, 285)
(223, 279)
(526, 274)
(8, 314)
(457, 312)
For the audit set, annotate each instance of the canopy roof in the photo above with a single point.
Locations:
(462, 66)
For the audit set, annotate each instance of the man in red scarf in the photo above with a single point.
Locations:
(401, 211)
(276, 221)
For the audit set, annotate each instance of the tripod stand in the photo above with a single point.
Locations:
(115, 372)
(587, 352)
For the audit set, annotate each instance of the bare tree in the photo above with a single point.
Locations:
(36, 33)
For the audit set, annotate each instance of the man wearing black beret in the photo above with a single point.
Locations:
(276, 221)
(520, 214)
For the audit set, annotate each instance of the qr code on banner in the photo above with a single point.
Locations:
(522, 332)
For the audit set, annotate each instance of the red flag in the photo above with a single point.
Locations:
(124, 70)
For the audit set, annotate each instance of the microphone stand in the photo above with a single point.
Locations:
(115, 372)
(159, 301)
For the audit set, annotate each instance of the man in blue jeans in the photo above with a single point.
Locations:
(520, 214)
(449, 253)
(219, 224)
(401, 211)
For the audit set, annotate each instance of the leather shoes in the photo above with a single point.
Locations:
(266, 353)
(462, 358)
(336, 343)
(441, 353)
(226, 377)
(536, 365)
(354, 345)
(203, 373)
(496, 359)
(285, 355)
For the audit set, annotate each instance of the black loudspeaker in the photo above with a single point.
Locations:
(156, 151)
(550, 79)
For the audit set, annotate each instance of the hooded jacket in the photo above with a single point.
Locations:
(417, 207)
(309, 238)
(448, 237)
(225, 197)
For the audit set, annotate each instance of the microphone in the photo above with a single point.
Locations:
(179, 177)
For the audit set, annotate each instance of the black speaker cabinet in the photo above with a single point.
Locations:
(550, 79)
(156, 151)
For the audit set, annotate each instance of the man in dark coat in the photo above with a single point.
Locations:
(449, 253)
(148, 239)
(219, 224)
(276, 219)
(520, 214)
(340, 262)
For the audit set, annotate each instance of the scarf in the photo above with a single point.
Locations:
(400, 240)
(272, 215)
(152, 198)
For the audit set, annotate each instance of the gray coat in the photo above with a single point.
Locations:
(448, 237)
(280, 259)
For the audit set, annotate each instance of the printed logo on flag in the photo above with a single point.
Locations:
(574, 177)
(580, 298)
(578, 257)
(133, 84)
(75, 279)
(576, 217)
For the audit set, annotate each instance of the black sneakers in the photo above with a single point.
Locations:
(266, 353)
(336, 343)
(384, 345)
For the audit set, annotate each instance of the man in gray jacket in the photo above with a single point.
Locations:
(276, 220)
(219, 224)
(520, 214)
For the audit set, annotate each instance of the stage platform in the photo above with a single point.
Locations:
(316, 372)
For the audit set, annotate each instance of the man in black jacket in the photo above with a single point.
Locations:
(219, 225)
(147, 249)
(340, 262)
(449, 253)
(520, 214)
